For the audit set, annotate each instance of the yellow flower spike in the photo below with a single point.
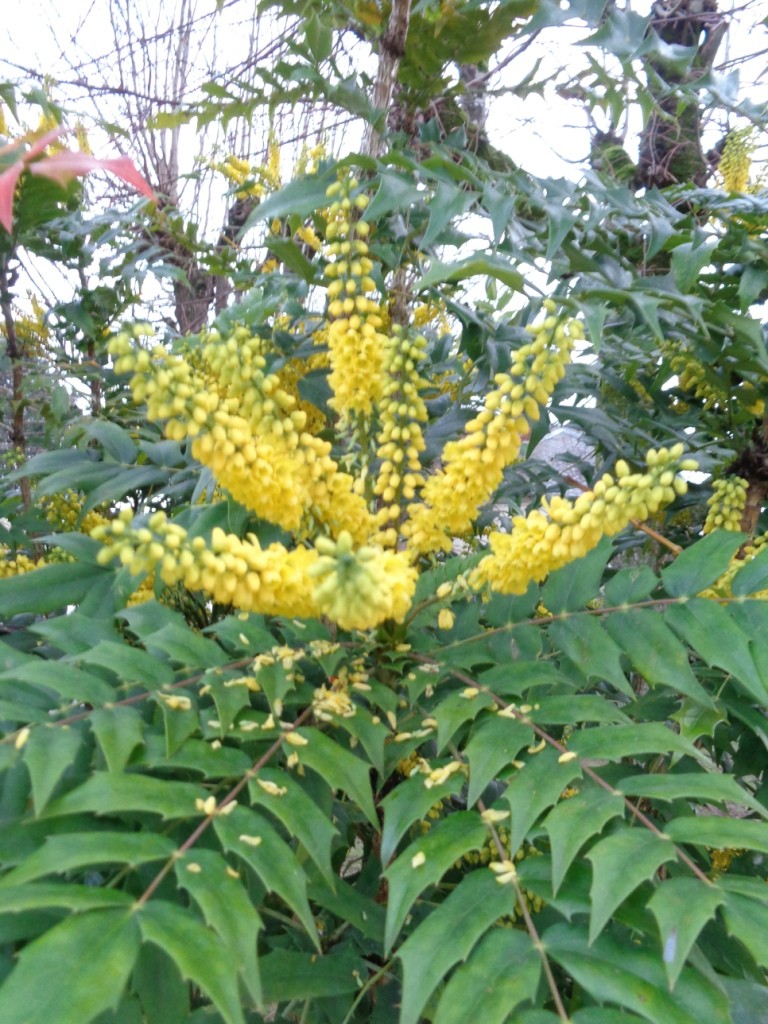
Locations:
(361, 588)
(726, 504)
(474, 465)
(561, 531)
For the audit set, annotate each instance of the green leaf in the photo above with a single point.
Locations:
(620, 863)
(473, 266)
(446, 842)
(301, 816)
(67, 896)
(698, 566)
(130, 664)
(682, 906)
(180, 723)
(255, 841)
(753, 576)
(43, 987)
(289, 975)
(710, 630)
(48, 589)
(66, 680)
(373, 736)
(688, 260)
(48, 753)
(448, 203)
(500, 973)
(118, 731)
(109, 794)
(574, 821)
(394, 193)
(197, 953)
(408, 802)
(655, 652)
(614, 742)
(340, 768)
(630, 585)
(448, 935)
(227, 908)
(300, 197)
(745, 920)
(711, 787)
(608, 974)
(578, 708)
(584, 640)
(534, 789)
(63, 853)
(319, 38)
(291, 255)
(351, 905)
(454, 710)
(184, 646)
(719, 832)
(495, 742)
(163, 995)
(115, 441)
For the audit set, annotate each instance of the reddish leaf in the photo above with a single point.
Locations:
(8, 180)
(62, 167)
(41, 144)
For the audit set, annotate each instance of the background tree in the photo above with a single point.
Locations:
(340, 702)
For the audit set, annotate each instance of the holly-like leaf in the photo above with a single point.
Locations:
(682, 906)
(255, 841)
(301, 816)
(60, 854)
(574, 821)
(620, 863)
(226, 907)
(105, 793)
(534, 789)
(48, 753)
(494, 743)
(340, 768)
(196, 951)
(447, 936)
(425, 862)
(500, 973)
(408, 802)
(43, 986)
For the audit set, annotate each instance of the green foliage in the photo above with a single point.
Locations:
(548, 806)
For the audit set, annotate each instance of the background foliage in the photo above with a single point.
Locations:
(547, 806)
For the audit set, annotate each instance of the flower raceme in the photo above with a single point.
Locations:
(474, 465)
(360, 588)
(357, 589)
(565, 530)
(369, 525)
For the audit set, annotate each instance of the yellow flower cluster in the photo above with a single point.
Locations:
(257, 180)
(400, 439)
(270, 580)
(726, 504)
(16, 565)
(722, 587)
(474, 465)
(566, 530)
(355, 339)
(64, 511)
(356, 589)
(247, 430)
(360, 589)
(736, 161)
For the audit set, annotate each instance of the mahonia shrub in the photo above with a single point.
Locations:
(364, 757)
